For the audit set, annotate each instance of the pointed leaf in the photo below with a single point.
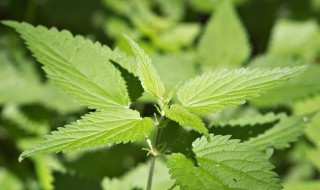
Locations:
(214, 91)
(180, 114)
(282, 134)
(147, 73)
(223, 164)
(93, 130)
(303, 86)
(77, 65)
(224, 42)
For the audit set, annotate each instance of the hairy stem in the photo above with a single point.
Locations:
(153, 160)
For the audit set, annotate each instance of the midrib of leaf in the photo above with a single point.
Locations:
(221, 164)
(66, 59)
(217, 88)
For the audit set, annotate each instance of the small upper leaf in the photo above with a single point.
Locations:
(95, 129)
(77, 65)
(224, 42)
(146, 71)
(223, 164)
(214, 91)
(180, 114)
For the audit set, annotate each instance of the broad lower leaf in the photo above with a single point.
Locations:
(180, 114)
(222, 164)
(214, 91)
(77, 65)
(224, 43)
(44, 172)
(95, 129)
(146, 71)
(282, 134)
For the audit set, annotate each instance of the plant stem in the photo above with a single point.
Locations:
(153, 160)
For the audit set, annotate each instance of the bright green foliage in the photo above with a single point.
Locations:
(148, 75)
(295, 38)
(257, 119)
(44, 172)
(180, 114)
(136, 178)
(224, 43)
(214, 91)
(303, 86)
(79, 66)
(95, 129)
(222, 164)
(282, 134)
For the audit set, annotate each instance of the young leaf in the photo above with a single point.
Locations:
(147, 73)
(279, 136)
(180, 114)
(214, 91)
(222, 164)
(77, 65)
(134, 87)
(224, 42)
(95, 129)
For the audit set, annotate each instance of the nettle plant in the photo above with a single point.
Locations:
(108, 82)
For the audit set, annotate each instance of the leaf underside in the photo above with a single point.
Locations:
(96, 129)
(77, 65)
(222, 164)
(214, 91)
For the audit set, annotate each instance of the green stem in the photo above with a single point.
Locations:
(153, 160)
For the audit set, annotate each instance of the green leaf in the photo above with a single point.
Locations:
(134, 87)
(224, 43)
(146, 71)
(137, 178)
(303, 107)
(303, 86)
(282, 134)
(44, 172)
(111, 126)
(257, 119)
(77, 65)
(295, 38)
(214, 91)
(222, 164)
(180, 114)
